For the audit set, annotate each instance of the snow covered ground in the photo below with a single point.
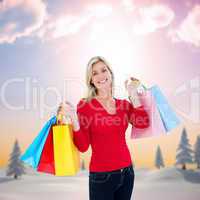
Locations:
(165, 184)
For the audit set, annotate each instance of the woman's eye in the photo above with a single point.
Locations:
(94, 73)
(104, 70)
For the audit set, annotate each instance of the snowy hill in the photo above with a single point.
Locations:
(164, 175)
(167, 183)
(168, 175)
(2, 172)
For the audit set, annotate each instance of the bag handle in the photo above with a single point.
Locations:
(140, 84)
(145, 88)
(60, 117)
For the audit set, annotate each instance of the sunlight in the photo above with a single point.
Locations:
(100, 10)
(118, 46)
(68, 25)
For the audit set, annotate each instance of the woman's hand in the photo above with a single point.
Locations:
(131, 86)
(67, 109)
(61, 110)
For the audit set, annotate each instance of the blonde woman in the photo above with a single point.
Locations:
(101, 121)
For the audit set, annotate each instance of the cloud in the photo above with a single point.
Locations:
(20, 18)
(68, 24)
(99, 10)
(128, 5)
(61, 26)
(151, 18)
(189, 29)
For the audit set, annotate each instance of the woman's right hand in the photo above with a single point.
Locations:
(67, 109)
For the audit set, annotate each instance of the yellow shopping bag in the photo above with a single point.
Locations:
(66, 154)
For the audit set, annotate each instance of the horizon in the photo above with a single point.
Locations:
(45, 47)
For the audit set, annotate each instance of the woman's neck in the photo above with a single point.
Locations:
(104, 95)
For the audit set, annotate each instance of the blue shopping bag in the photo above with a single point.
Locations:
(33, 152)
(168, 116)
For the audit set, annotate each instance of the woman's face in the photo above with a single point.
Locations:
(101, 76)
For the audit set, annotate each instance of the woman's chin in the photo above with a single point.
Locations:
(104, 88)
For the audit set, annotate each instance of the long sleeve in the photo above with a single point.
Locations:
(82, 136)
(138, 117)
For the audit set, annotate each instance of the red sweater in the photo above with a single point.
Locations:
(105, 132)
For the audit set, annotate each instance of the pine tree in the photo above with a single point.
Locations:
(159, 158)
(15, 166)
(184, 151)
(197, 152)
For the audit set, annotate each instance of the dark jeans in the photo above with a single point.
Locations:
(114, 185)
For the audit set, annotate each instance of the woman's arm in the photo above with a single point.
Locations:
(137, 116)
(81, 128)
(78, 118)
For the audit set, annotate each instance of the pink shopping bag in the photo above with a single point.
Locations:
(156, 127)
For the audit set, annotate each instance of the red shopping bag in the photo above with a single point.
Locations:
(46, 163)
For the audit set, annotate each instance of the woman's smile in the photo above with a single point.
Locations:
(103, 81)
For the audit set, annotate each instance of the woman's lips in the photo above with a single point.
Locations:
(102, 81)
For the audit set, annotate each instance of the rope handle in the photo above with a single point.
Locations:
(140, 84)
(61, 117)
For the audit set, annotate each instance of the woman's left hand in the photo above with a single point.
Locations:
(131, 86)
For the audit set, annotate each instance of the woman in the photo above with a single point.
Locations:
(101, 121)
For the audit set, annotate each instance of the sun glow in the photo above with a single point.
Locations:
(117, 45)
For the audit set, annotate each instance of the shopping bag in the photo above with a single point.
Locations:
(46, 163)
(33, 152)
(168, 116)
(156, 126)
(66, 155)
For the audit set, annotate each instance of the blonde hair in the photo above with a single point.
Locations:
(91, 89)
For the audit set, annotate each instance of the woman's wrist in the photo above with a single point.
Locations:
(134, 99)
(76, 127)
(75, 122)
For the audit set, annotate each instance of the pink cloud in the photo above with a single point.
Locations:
(128, 5)
(4, 5)
(29, 17)
(99, 10)
(189, 29)
(69, 24)
(32, 19)
(61, 26)
(152, 18)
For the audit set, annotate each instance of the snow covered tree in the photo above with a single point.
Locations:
(159, 158)
(197, 152)
(15, 166)
(184, 151)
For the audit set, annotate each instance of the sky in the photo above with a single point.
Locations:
(44, 50)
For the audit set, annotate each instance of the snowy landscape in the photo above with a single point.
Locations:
(166, 183)
(21, 182)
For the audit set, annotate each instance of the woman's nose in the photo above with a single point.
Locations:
(101, 76)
